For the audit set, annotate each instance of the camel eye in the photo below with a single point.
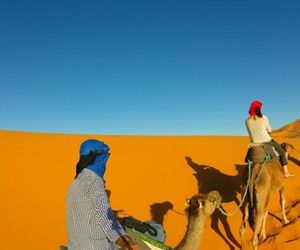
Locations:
(187, 202)
(212, 199)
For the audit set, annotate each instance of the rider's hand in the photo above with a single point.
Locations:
(126, 243)
(121, 214)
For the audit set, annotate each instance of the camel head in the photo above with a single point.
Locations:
(207, 203)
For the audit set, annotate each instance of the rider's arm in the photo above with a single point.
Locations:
(103, 212)
(268, 127)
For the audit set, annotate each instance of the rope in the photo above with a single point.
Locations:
(267, 158)
(244, 196)
(177, 212)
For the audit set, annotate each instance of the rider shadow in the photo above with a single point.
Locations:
(209, 179)
(159, 210)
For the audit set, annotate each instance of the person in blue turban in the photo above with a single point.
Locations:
(91, 223)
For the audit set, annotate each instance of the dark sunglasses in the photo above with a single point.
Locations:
(97, 152)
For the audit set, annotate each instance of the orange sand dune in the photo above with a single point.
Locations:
(147, 175)
(291, 130)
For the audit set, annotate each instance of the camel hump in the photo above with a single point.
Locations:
(257, 153)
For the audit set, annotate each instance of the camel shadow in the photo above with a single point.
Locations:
(296, 161)
(209, 179)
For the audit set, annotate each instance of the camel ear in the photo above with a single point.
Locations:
(215, 198)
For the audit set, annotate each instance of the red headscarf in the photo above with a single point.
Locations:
(254, 104)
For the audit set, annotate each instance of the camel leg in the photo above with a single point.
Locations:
(282, 204)
(257, 229)
(262, 201)
(263, 228)
(243, 225)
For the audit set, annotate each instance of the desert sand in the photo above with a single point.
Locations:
(148, 176)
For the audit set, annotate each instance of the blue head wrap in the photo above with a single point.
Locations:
(99, 165)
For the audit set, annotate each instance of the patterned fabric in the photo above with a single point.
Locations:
(91, 224)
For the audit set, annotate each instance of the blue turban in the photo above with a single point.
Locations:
(102, 153)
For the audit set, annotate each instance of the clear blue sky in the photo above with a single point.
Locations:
(147, 67)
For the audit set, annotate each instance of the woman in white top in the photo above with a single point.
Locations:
(259, 130)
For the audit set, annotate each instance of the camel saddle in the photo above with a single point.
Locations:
(257, 152)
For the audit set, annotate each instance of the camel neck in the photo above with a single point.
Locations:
(193, 235)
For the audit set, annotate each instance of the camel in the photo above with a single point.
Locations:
(200, 207)
(229, 186)
(266, 179)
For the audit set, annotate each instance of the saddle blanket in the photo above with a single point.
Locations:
(257, 152)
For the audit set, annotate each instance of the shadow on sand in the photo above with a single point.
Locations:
(296, 161)
(209, 179)
(159, 210)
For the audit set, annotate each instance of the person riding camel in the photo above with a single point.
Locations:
(91, 222)
(259, 131)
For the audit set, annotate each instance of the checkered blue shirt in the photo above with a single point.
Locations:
(91, 224)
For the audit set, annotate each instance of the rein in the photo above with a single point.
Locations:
(250, 163)
(268, 157)
(176, 212)
(244, 196)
